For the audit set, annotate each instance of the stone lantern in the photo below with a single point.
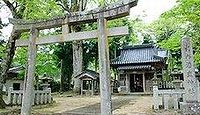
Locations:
(45, 82)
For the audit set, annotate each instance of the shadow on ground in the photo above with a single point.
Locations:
(95, 108)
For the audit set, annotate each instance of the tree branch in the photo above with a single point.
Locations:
(10, 5)
(1, 6)
(64, 8)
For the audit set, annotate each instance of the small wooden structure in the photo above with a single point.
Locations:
(89, 82)
(137, 65)
(13, 80)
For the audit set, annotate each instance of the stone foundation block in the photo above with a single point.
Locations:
(190, 108)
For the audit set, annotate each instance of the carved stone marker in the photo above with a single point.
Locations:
(190, 104)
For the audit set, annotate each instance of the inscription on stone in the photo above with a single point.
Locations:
(190, 82)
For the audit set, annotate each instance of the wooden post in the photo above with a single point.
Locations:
(81, 87)
(28, 90)
(127, 83)
(104, 67)
(92, 87)
(144, 84)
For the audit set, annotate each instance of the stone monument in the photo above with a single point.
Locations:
(190, 104)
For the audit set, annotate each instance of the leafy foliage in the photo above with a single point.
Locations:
(182, 20)
(39, 9)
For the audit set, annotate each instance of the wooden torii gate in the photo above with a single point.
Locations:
(101, 15)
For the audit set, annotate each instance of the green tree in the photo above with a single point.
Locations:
(7, 59)
(182, 20)
(22, 9)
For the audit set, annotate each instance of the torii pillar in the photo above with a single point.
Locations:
(28, 91)
(104, 67)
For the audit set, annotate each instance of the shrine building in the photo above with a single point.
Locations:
(137, 65)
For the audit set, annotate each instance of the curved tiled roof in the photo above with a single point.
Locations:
(139, 54)
(88, 73)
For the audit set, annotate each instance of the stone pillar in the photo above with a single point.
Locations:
(155, 92)
(104, 67)
(155, 97)
(9, 98)
(29, 89)
(191, 104)
(144, 83)
(127, 83)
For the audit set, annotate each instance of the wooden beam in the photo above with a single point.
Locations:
(73, 36)
(113, 11)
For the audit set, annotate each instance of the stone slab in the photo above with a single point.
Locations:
(190, 82)
(192, 108)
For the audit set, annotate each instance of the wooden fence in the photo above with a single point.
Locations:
(166, 85)
(40, 97)
(167, 99)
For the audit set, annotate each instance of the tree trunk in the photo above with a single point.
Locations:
(10, 50)
(77, 63)
(2, 103)
(7, 60)
(63, 83)
(96, 63)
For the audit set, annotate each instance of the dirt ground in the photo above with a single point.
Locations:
(141, 106)
(90, 105)
(84, 105)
